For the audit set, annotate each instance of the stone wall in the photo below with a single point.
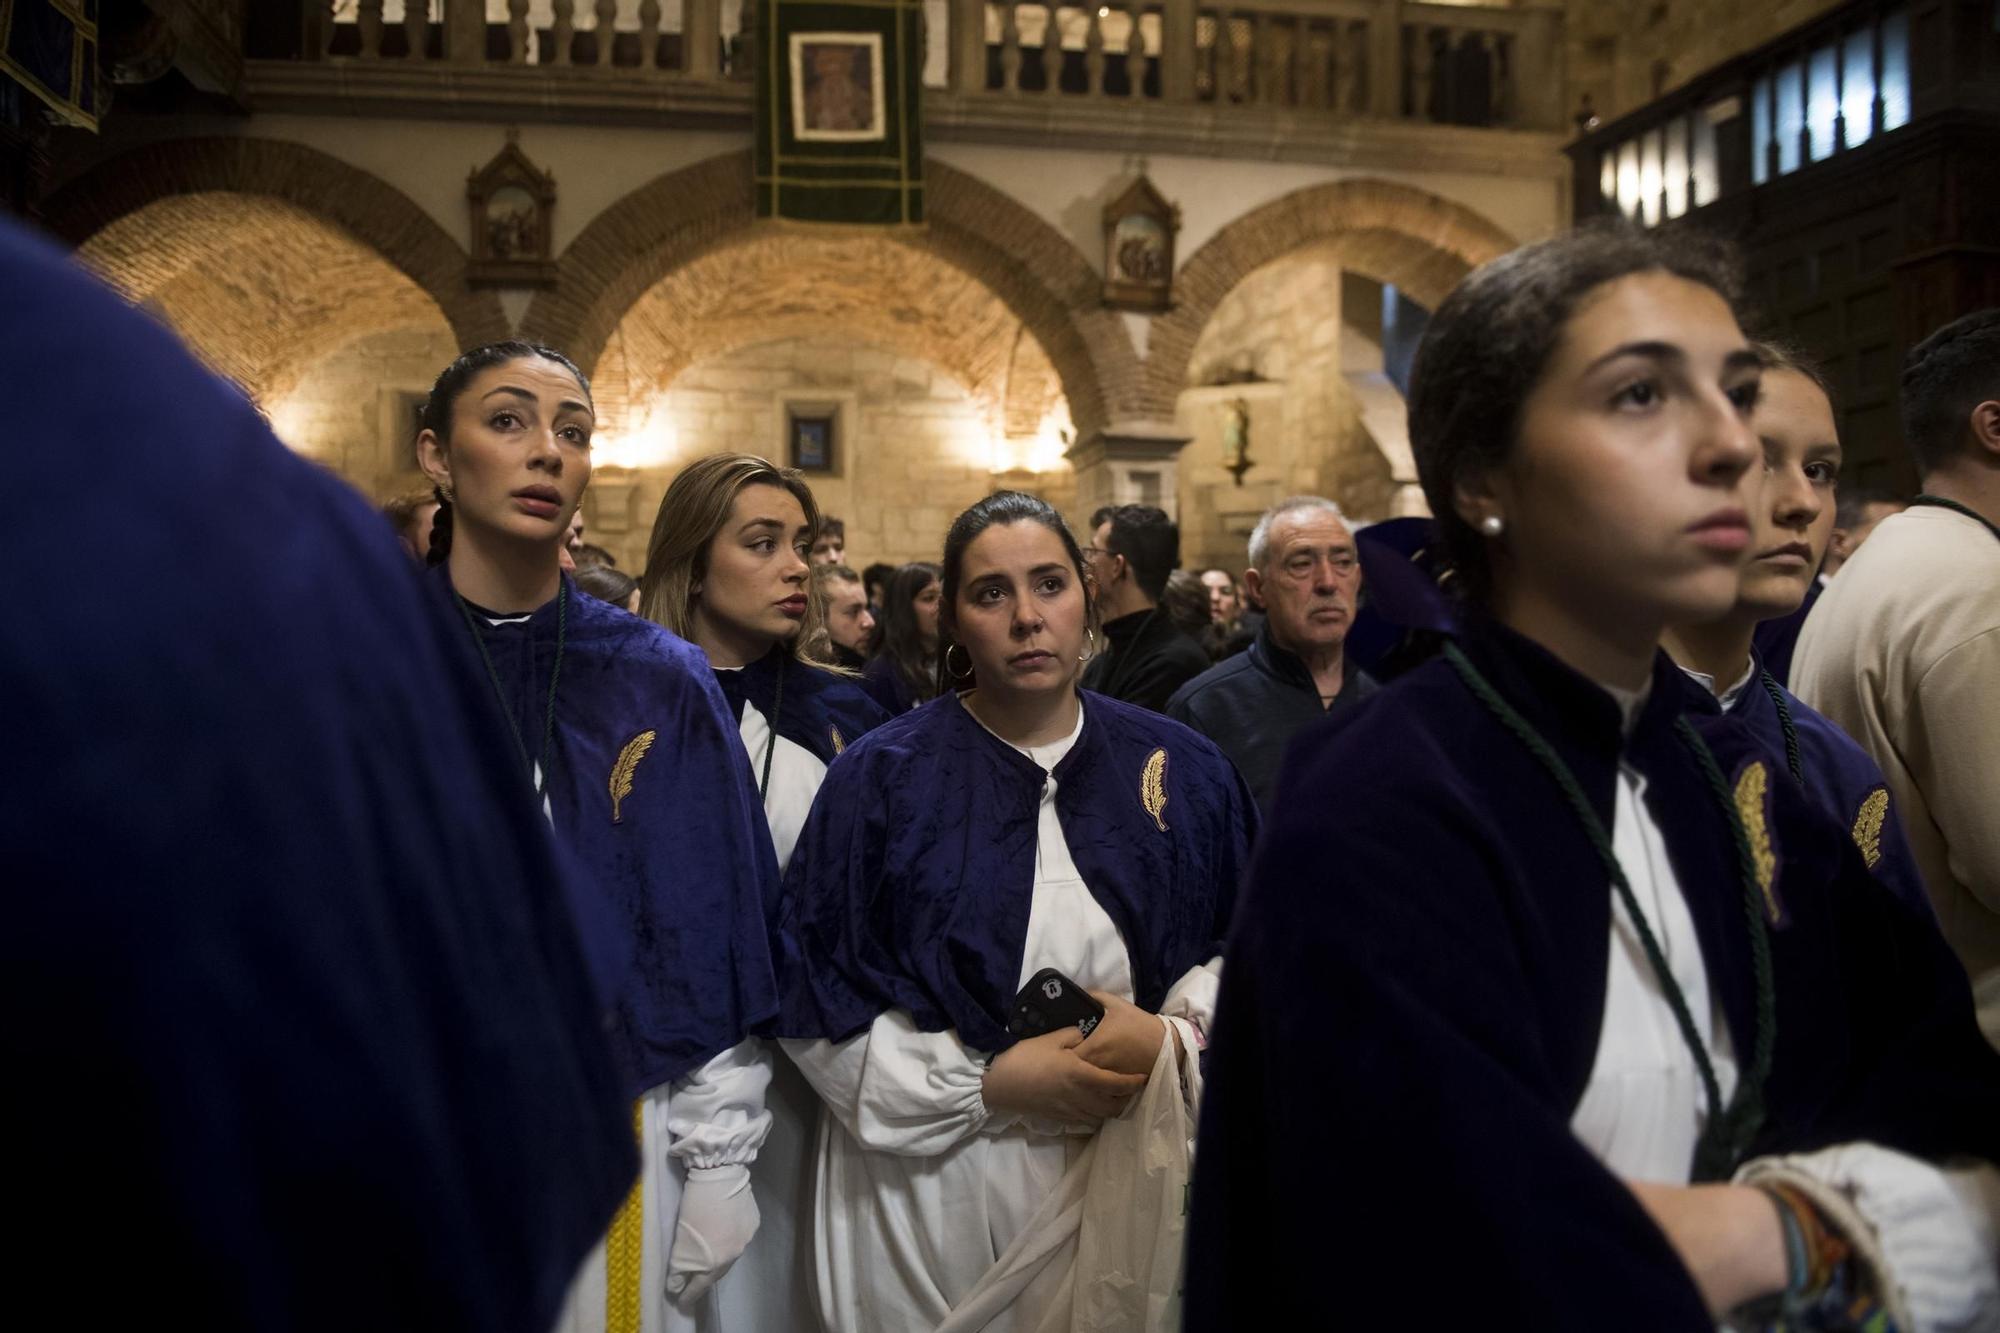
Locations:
(914, 448)
(1275, 346)
(352, 411)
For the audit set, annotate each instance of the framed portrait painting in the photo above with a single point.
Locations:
(813, 436)
(837, 92)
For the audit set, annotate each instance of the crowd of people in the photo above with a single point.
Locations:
(1564, 911)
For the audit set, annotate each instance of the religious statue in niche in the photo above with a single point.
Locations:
(1139, 230)
(1236, 439)
(512, 203)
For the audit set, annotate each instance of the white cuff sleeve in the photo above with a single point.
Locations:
(1932, 1235)
(715, 1114)
(1190, 1009)
(898, 1090)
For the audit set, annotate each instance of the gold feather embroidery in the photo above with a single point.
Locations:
(1153, 786)
(628, 764)
(1868, 825)
(839, 741)
(1751, 786)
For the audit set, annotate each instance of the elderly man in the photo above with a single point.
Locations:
(1903, 650)
(1304, 568)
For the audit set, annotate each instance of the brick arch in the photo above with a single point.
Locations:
(775, 283)
(365, 207)
(669, 223)
(1393, 233)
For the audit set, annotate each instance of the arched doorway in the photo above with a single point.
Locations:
(928, 378)
(335, 344)
(1294, 324)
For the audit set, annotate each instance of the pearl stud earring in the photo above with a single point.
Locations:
(1492, 525)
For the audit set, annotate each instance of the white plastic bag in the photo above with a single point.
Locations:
(1114, 1227)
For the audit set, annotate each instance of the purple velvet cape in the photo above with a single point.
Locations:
(684, 863)
(1414, 992)
(911, 884)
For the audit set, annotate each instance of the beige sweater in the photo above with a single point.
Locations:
(1903, 651)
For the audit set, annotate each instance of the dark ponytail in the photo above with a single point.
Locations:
(436, 414)
(440, 546)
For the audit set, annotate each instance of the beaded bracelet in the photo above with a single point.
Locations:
(1826, 1290)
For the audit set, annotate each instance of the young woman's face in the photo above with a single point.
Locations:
(756, 580)
(925, 607)
(1794, 520)
(519, 455)
(1020, 612)
(1628, 495)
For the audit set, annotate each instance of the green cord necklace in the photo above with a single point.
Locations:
(1939, 502)
(1777, 693)
(555, 678)
(1727, 1135)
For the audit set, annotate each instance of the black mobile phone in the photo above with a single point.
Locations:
(1049, 1001)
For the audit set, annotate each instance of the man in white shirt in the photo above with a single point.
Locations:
(1903, 649)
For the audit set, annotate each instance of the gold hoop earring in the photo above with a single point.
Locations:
(1090, 633)
(958, 675)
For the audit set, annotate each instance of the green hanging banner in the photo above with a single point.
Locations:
(840, 111)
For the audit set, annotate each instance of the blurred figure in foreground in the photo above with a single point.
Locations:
(301, 1028)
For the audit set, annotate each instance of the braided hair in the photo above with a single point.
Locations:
(436, 414)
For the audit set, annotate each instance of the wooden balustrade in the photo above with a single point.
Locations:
(1385, 59)
(1448, 64)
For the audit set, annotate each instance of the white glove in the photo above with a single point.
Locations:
(1929, 1236)
(717, 1219)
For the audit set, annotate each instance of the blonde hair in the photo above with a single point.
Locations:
(692, 512)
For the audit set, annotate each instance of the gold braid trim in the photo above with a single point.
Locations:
(839, 741)
(1153, 786)
(625, 1244)
(1751, 786)
(627, 765)
(1868, 825)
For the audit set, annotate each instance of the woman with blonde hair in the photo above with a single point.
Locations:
(727, 568)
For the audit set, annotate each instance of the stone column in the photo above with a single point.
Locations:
(1177, 52)
(968, 46)
(464, 32)
(1385, 61)
(701, 38)
(1127, 462)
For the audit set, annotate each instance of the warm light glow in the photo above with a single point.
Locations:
(1052, 441)
(1043, 451)
(290, 422)
(650, 444)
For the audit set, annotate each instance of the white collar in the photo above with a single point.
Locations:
(1727, 698)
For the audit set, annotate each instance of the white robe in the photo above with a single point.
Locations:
(920, 1188)
(713, 1116)
(742, 1107)
(770, 1288)
(1644, 1106)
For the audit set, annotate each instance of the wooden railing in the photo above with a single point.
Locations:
(630, 36)
(1834, 85)
(1449, 64)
